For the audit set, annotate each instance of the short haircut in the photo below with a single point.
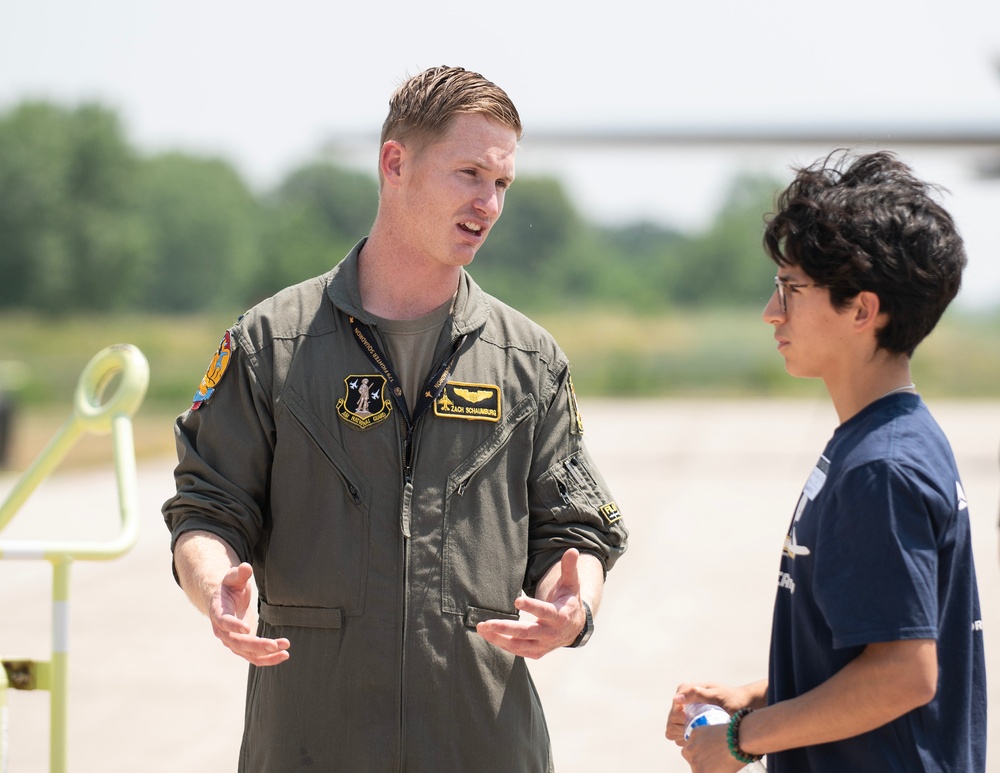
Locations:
(858, 223)
(422, 108)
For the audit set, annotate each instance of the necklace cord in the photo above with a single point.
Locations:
(911, 385)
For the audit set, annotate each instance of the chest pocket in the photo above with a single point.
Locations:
(318, 547)
(486, 521)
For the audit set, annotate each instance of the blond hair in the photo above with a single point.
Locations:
(422, 108)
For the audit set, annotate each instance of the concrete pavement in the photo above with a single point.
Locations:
(707, 489)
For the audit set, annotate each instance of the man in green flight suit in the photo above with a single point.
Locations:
(396, 459)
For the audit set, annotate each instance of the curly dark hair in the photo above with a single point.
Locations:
(867, 223)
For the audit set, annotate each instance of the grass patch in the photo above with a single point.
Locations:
(731, 353)
(704, 353)
(724, 352)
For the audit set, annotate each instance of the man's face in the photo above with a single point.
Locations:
(454, 188)
(812, 335)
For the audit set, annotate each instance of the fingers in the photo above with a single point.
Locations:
(520, 642)
(234, 589)
(540, 628)
(536, 609)
(238, 577)
(676, 719)
(254, 649)
(232, 600)
(570, 569)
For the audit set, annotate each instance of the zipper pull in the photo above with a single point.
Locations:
(404, 515)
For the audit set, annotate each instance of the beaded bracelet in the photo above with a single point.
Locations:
(733, 738)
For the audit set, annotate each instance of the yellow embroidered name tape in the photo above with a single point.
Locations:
(473, 402)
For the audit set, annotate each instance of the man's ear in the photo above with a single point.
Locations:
(391, 161)
(868, 311)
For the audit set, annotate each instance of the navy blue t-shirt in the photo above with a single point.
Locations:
(879, 550)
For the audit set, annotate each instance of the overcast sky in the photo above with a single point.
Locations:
(265, 85)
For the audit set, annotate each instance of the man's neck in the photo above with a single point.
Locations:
(395, 285)
(885, 373)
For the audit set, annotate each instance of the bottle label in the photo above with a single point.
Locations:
(714, 716)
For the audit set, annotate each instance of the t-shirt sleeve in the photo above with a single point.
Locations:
(876, 565)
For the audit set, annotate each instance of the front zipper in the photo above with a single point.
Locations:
(407, 453)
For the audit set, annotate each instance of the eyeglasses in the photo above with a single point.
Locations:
(782, 287)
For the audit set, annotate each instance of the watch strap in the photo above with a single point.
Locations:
(588, 628)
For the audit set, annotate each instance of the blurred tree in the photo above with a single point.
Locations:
(525, 259)
(70, 237)
(312, 220)
(641, 256)
(86, 224)
(204, 234)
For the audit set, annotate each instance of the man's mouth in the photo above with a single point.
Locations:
(473, 228)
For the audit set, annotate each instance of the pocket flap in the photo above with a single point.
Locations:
(302, 617)
(476, 615)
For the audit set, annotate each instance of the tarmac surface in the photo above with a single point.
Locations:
(707, 489)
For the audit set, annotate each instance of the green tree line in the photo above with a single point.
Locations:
(88, 223)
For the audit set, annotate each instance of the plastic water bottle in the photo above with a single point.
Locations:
(700, 714)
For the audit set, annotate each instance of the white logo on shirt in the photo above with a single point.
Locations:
(963, 503)
(785, 581)
(815, 483)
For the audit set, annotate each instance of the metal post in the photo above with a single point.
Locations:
(3, 718)
(93, 411)
(59, 678)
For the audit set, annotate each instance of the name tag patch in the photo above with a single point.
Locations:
(473, 402)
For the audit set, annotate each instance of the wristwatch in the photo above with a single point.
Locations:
(588, 628)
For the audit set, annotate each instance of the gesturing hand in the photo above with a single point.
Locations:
(543, 624)
(228, 612)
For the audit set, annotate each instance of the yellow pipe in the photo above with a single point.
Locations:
(3, 719)
(94, 410)
(59, 674)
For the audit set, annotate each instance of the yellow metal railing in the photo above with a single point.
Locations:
(110, 390)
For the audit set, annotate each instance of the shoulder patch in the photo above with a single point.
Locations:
(576, 423)
(216, 370)
(473, 402)
(610, 512)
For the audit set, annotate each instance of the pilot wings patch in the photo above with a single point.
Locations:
(473, 402)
